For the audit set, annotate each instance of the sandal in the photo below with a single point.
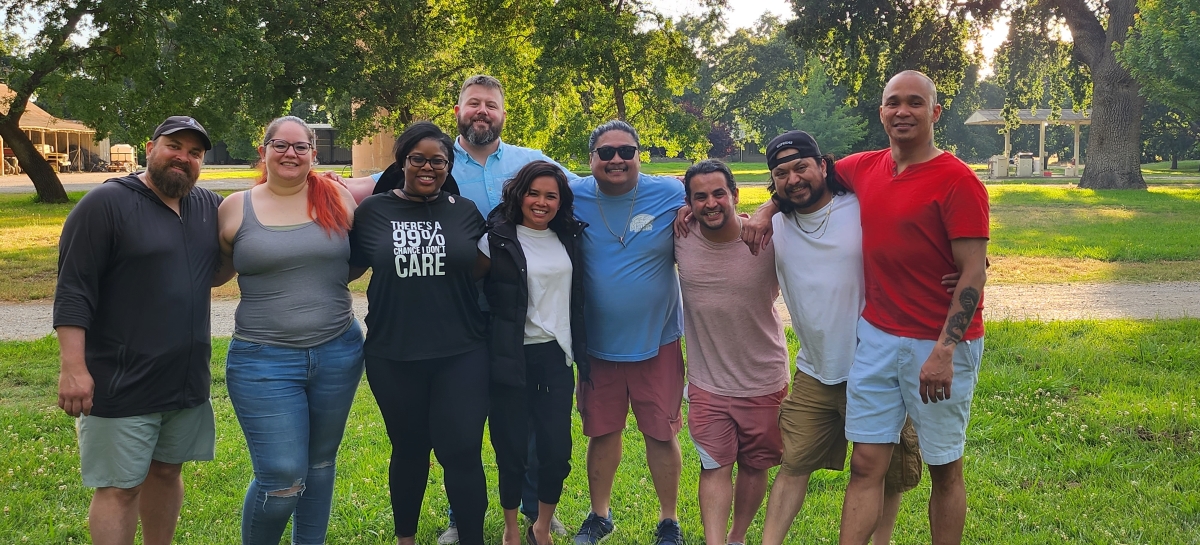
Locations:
(529, 539)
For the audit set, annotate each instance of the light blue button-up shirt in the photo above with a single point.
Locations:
(483, 184)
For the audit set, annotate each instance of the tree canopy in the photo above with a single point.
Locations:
(867, 41)
(1163, 53)
(687, 85)
(122, 66)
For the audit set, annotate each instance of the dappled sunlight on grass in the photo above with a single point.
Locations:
(1139, 226)
(1048, 234)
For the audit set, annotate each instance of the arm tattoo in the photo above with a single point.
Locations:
(957, 325)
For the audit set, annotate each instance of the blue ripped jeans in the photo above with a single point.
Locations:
(292, 404)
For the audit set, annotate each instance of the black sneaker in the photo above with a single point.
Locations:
(668, 533)
(594, 529)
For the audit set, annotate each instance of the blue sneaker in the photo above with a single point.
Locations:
(595, 529)
(668, 533)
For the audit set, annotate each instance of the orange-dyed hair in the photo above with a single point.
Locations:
(325, 203)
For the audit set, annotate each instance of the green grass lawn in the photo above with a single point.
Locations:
(1187, 167)
(754, 173)
(1040, 234)
(1055, 234)
(1081, 432)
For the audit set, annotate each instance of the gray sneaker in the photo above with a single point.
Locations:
(449, 537)
(557, 527)
(595, 529)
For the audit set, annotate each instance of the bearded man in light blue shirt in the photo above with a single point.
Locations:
(482, 161)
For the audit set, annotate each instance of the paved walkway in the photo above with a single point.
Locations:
(1045, 302)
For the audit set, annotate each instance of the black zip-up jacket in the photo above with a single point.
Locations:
(507, 289)
(138, 278)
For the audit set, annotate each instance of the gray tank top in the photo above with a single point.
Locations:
(293, 282)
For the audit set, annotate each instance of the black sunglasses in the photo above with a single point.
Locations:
(606, 153)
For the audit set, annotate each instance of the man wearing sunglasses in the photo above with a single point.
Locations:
(634, 324)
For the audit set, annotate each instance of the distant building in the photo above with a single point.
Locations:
(67, 145)
(328, 153)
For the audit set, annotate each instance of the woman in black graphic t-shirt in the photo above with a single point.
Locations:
(426, 347)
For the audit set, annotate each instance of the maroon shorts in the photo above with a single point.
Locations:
(742, 429)
(653, 387)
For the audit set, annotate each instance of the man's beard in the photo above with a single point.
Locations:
(813, 197)
(480, 138)
(171, 183)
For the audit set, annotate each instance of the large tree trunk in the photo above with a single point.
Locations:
(45, 180)
(1114, 148)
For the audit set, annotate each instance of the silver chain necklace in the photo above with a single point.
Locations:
(621, 237)
(824, 226)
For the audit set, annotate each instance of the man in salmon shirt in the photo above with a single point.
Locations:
(924, 215)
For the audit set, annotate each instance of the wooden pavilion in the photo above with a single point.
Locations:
(66, 144)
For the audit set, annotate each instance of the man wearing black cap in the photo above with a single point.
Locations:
(924, 215)
(136, 261)
(818, 258)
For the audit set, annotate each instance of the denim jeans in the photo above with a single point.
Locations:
(292, 404)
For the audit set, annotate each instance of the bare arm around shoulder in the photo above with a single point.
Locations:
(229, 220)
(757, 230)
(360, 188)
(970, 256)
(351, 200)
(75, 384)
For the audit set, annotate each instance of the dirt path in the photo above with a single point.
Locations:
(1045, 302)
(87, 181)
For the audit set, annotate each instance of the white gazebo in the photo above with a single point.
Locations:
(1039, 117)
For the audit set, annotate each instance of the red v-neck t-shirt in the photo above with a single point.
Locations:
(908, 221)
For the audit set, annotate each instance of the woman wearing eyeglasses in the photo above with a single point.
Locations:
(426, 351)
(296, 356)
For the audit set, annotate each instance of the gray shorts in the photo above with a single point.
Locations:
(116, 452)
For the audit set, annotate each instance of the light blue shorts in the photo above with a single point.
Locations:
(884, 385)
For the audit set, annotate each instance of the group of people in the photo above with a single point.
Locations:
(504, 286)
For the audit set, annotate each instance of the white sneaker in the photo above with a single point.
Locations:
(449, 537)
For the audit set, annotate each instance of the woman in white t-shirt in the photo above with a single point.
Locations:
(535, 290)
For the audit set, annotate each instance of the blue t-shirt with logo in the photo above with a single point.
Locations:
(632, 301)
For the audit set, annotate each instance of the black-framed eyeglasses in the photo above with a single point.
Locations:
(436, 163)
(606, 153)
(281, 146)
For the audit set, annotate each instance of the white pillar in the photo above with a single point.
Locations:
(1076, 145)
(1007, 143)
(1042, 145)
